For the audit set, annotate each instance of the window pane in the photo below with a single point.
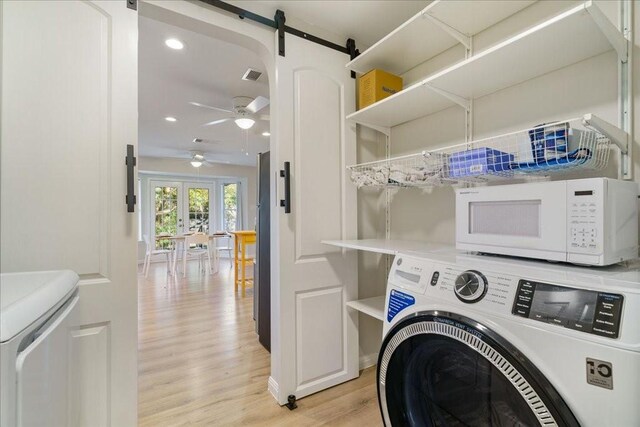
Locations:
(230, 206)
(199, 209)
(166, 202)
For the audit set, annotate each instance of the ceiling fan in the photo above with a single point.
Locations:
(197, 159)
(243, 113)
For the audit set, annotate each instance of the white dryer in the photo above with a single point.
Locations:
(486, 341)
(37, 316)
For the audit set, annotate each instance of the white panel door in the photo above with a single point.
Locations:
(69, 108)
(315, 338)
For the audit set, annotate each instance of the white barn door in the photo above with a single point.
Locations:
(315, 338)
(69, 108)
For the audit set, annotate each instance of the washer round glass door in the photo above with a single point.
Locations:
(443, 369)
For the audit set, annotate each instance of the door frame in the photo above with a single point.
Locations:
(260, 40)
(213, 22)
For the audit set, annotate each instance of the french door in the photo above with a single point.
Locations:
(180, 207)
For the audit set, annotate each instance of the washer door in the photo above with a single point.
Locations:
(443, 369)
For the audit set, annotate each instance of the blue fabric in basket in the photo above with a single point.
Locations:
(548, 140)
(479, 161)
(576, 157)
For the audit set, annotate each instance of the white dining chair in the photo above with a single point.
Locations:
(152, 251)
(198, 240)
(220, 249)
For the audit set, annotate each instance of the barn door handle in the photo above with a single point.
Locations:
(286, 174)
(130, 161)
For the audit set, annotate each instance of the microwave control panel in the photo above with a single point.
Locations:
(585, 232)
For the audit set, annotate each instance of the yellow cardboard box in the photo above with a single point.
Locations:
(377, 85)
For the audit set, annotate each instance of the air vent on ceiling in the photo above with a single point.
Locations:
(252, 75)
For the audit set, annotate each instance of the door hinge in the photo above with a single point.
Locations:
(132, 4)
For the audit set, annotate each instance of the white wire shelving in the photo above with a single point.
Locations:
(540, 151)
(443, 24)
(570, 37)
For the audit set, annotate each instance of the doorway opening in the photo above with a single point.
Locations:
(203, 124)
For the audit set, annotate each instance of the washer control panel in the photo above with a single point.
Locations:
(410, 274)
(588, 311)
(470, 286)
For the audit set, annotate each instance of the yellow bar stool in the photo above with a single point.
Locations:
(240, 242)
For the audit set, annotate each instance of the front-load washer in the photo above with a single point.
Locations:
(484, 341)
(37, 316)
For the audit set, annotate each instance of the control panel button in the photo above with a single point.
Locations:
(434, 278)
(606, 321)
(582, 310)
(470, 286)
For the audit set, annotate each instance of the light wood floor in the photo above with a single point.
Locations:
(200, 362)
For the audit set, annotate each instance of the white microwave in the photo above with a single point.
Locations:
(585, 221)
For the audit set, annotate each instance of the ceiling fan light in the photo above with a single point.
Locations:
(197, 159)
(245, 123)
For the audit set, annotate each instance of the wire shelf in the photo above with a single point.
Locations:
(541, 151)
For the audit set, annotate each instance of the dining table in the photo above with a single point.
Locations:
(178, 244)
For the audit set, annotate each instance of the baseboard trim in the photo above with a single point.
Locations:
(368, 360)
(272, 386)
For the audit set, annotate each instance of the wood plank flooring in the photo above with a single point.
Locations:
(200, 362)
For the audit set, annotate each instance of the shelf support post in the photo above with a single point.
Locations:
(625, 84)
(387, 204)
(461, 37)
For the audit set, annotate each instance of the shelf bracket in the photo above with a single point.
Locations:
(614, 133)
(382, 129)
(461, 37)
(463, 102)
(610, 31)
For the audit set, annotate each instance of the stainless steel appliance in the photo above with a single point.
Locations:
(262, 272)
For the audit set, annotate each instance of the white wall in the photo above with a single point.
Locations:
(428, 215)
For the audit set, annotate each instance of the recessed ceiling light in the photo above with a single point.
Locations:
(170, 119)
(266, 133)
(174, 44)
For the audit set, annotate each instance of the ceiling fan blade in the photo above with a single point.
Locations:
(258, 104)
(265, 117)
(215, 122)
(197, 104)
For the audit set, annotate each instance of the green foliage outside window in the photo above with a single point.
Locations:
(166, 205)
(230, 206)
(199, 210)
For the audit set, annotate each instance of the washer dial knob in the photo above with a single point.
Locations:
(470, 286)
